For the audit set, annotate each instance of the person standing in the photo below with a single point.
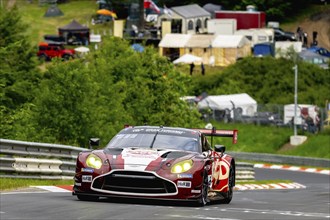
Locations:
(192, 65)
(203, 69)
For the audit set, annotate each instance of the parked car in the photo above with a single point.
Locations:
(155, 162)
(320, 50)
(47, 51)
(281, 35)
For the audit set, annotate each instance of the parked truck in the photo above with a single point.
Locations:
(245, 19)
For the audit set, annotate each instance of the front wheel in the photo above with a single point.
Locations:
(203, 200)
(87, 198)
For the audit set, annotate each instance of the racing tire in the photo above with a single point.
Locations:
(203, 200)
(43, 57)
(87, 198)
(66, 57)
(228, 196)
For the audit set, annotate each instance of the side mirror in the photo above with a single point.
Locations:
(94, 142)
(206, 153)
(220, 148)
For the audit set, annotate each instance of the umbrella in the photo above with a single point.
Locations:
(82, 49)
(187, 58)
(107, 13)
(138, 47)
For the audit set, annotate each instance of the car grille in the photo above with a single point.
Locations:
(134, 183)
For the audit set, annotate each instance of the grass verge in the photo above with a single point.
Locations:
(7, 184)
(14, 183)
(271, 139)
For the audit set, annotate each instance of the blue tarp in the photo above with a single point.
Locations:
(264, 49)
(137, 47)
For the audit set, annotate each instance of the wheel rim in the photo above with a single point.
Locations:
(230, 183)
(204, 191)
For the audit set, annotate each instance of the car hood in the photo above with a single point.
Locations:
(69, 51)
(290, 34)
(141, 159)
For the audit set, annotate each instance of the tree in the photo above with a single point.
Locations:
(18, 73)
(150, 87)
(97, 96)
(270, 81)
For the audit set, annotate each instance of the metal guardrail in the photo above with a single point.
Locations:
(37, 160)
(22, 148)
(53, 161)
(281, 159)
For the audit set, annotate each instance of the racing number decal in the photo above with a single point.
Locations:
(220, 172)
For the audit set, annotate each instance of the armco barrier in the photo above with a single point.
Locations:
(37, 160)
(53, 161)
(280, 159)
(33, 149)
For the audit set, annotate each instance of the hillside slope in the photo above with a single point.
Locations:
(319, 22)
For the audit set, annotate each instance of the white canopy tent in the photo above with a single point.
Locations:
(222, 102)
(187, 58)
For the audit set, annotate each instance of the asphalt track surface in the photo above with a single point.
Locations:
(312, 202)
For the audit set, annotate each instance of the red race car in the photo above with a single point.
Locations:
(159, 163)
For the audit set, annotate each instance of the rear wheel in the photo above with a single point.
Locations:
(43, 58)
(228, 196)
(66, 57)
(87, 198)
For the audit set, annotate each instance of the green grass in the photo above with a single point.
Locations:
(316, 146)
(291, 22)
(81, 11)
(270, 139)
(13, 183)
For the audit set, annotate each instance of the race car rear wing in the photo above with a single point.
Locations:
(219, 133)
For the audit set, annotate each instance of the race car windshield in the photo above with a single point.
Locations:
(160, 141)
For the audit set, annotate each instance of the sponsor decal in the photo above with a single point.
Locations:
(195, 191)
(140, 153)
(77, 184)
(185, 175)
(86, 178)
(137, 130)
(87, 170)
(184, 184)
(165, 131)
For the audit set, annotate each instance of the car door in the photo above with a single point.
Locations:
(220, 172)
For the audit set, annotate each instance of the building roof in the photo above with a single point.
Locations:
(212, 7)
(200, 41)
(174, 40)
(229, 41)
(190, 11)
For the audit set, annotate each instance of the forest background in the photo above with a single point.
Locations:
(69, 102)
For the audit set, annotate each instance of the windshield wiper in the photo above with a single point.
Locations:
(153, 141)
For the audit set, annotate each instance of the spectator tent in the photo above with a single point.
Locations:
(219, 50)
(75, 33)
(53, 11)
(229, 102)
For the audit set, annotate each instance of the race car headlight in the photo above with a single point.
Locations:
(182, 166)
(94, 161)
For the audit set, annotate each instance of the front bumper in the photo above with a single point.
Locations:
(140, 184)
